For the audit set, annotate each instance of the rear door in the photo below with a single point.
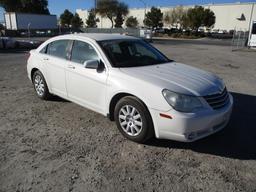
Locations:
(55, 63)
(86, 86)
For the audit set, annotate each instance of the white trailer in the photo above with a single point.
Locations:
(23, 21)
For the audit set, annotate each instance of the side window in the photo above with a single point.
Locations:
(58, 48)
(82, 52)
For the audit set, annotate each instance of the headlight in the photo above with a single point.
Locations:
(183, 103)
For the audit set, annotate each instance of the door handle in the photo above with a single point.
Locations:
(71, 67)
(45, 59)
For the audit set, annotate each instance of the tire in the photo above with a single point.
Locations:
(16, 45)
(133, 119)
(40, 86)
(4, 45)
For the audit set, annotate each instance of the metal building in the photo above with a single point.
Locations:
(229, 16)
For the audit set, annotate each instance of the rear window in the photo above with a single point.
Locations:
(58, 48)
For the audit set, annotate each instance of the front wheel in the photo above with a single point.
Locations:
(133, 119)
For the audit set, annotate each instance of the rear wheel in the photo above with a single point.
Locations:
(40, 86)
(133, 119)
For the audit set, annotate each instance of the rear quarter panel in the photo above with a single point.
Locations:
(35, 61)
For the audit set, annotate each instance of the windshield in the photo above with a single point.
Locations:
(132, 53)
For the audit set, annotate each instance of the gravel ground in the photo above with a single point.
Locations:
(59, 146)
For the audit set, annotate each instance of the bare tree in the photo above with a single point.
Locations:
(113, 10)
(175, 16)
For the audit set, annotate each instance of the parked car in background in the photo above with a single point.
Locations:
(40, 33)
(1, 44)
(29, 44)
(24, 34)
(251, 42)
(8, 43)
(133, 83)
(201, 29)
(145, 34)
(158, 30)
(219, 31)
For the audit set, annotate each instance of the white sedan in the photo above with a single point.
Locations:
(132, 83)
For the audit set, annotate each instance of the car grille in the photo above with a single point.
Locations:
(219, 100)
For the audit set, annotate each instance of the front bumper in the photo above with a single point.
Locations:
(188, 127)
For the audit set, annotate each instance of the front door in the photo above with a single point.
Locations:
(86, 86)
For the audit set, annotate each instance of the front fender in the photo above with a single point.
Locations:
(150, 94)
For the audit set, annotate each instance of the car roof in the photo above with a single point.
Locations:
(101, 36)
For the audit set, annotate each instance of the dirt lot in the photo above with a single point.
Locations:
(60, 146)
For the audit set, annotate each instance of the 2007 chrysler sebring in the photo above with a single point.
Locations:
(133, 83)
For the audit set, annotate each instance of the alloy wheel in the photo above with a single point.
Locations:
(130, 120)
(39, 85)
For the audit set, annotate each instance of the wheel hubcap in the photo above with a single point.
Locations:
(130, 120)
(39, 85)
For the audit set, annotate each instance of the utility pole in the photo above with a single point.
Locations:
(95, 4)
(145, 8)
(29, 30)
(250, 26)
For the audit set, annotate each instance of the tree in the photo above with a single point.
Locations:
(92, 20)
(26, 6)
(1, 27)
(175, 16)
(76, 21)
(122, 10)
(154, 18)
(198, 16)
(167, 18)
(119, 20)
(11, 5)
(107, 8)
(66, 17)
(35, 6)
(113, 10)
(185, 22)
(209, 18)
(131, 22)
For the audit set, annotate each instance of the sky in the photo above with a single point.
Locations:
(56, 7)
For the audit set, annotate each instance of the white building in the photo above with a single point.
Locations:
(229, 16)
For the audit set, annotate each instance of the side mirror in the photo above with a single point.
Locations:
(91, 64)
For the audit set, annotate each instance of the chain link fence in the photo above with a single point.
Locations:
(239, 40)
(132, 32)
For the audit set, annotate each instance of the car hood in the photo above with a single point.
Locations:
(178, 77)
